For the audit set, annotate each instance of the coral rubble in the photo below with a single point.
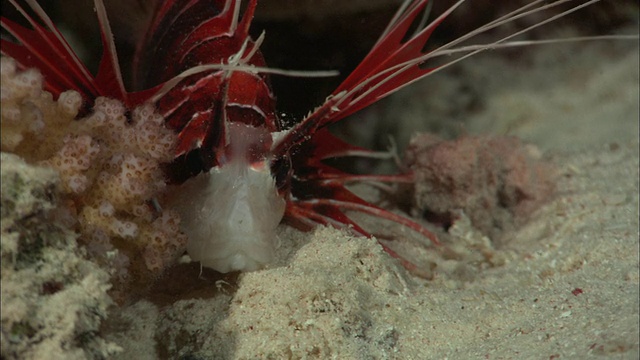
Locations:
(53, 298)
(497, 181)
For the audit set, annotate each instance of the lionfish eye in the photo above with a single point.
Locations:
(281, 172)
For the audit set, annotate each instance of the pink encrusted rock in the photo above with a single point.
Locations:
(497, 181)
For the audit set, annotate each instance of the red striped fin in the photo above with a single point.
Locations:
(45, 48)
(389, 66)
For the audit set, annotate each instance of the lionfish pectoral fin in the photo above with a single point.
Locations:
(390, 65)
(45, 48)
(324, 198)
(307, 214)
(320, 195)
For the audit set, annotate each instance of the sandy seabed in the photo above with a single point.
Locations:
(563, 286)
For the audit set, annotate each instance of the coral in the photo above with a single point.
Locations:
(53, 298)
(496, 181)
(109, 163)
(18, 118)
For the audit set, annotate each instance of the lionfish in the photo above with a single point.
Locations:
(242, 170)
